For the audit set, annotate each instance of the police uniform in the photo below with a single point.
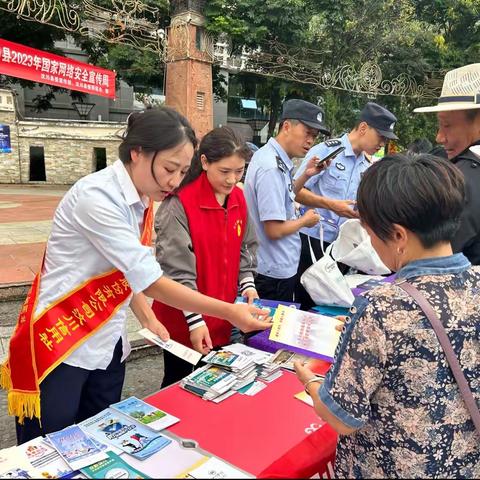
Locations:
(269, 191)
(467, 238)
(270, 196)
(339, 181)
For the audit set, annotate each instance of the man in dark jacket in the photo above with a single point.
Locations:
(459, 129)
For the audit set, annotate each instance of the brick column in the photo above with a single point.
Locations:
(189, 66)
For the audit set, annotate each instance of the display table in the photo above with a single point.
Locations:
(271, 434)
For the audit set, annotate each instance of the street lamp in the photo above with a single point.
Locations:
(256, 124)
(83, 108)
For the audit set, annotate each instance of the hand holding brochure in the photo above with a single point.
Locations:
(305, 330)
(145, 413)
(187, 354)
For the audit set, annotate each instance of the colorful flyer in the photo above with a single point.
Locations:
(145, 413)
(305, 330)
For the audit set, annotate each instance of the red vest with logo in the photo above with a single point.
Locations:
(217, 235)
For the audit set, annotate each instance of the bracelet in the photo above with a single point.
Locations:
(317, 378)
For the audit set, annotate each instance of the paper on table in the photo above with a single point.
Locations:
(303, 397)
(175, 348)
(216, 468)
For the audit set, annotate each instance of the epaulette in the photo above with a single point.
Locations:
(333, 142)
(281, 164)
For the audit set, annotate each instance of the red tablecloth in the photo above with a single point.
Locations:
(271, 434)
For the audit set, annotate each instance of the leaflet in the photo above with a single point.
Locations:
(45, 458)
(113, 467)
(75, 447)
(305, 330)
(136, 440)
(145, 413)
(175, 348)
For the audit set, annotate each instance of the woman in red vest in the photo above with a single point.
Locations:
(205, 241)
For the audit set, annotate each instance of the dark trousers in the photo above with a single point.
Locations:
(271, 288)
(175, 369)
(71, 394)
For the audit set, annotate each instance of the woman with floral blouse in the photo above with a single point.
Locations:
(390, 393)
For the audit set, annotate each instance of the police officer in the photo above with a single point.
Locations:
(270, 193)
(458, 113)
(339, 181)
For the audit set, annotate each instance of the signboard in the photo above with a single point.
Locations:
(5, 146)
(30, 64)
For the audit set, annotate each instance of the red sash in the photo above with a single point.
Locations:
(40, 343)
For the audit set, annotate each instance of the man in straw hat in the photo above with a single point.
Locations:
(458, 111)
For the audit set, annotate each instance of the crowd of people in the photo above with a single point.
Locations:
(390, 393)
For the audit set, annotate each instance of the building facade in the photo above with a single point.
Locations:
(52, 151)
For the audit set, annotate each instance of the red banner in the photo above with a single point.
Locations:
(30, 64)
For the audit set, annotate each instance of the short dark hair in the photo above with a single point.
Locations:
(472, 114)
(291, 120)
(420, 145)
(219, 143)
(423, 193)
(154, 130)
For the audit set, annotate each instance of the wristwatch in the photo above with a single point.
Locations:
(317, 378)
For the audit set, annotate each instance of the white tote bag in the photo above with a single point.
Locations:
(324, 281)
(353, 247)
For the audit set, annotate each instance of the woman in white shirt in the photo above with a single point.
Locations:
(67, 353)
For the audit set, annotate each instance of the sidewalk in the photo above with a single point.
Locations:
(25, 220)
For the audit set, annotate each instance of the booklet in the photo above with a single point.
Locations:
(45, 458)
(75, 447)
(145, 413)
(213, 467)
(14, 464)
(185, 353)
(305, 330)
(115, 429)
(112, 467)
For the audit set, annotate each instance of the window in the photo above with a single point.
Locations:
(37, 164)
(200, 100)
(99, 158)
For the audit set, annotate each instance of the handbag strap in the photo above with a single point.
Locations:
(312, 253)
(452, 359)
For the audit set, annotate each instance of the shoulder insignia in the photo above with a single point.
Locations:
(281, 165)
(333, 142)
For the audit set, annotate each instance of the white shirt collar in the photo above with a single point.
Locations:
(126, 184)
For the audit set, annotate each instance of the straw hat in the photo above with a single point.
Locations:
(460, 91)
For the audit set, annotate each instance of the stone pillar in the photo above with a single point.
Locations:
(189, 65)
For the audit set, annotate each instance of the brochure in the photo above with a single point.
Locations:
(112, 467)
(213, 467)
(187, 354)
(145, 413)
(75, 447)
(45, 459)
(305, 330)
(14, 464)
(115, 429)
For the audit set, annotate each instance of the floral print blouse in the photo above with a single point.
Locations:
(390, 379)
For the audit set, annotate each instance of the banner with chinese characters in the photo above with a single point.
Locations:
(30, 64)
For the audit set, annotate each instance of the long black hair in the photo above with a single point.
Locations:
(219, 143)
(155, 130)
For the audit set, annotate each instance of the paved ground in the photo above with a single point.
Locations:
(26, 212)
